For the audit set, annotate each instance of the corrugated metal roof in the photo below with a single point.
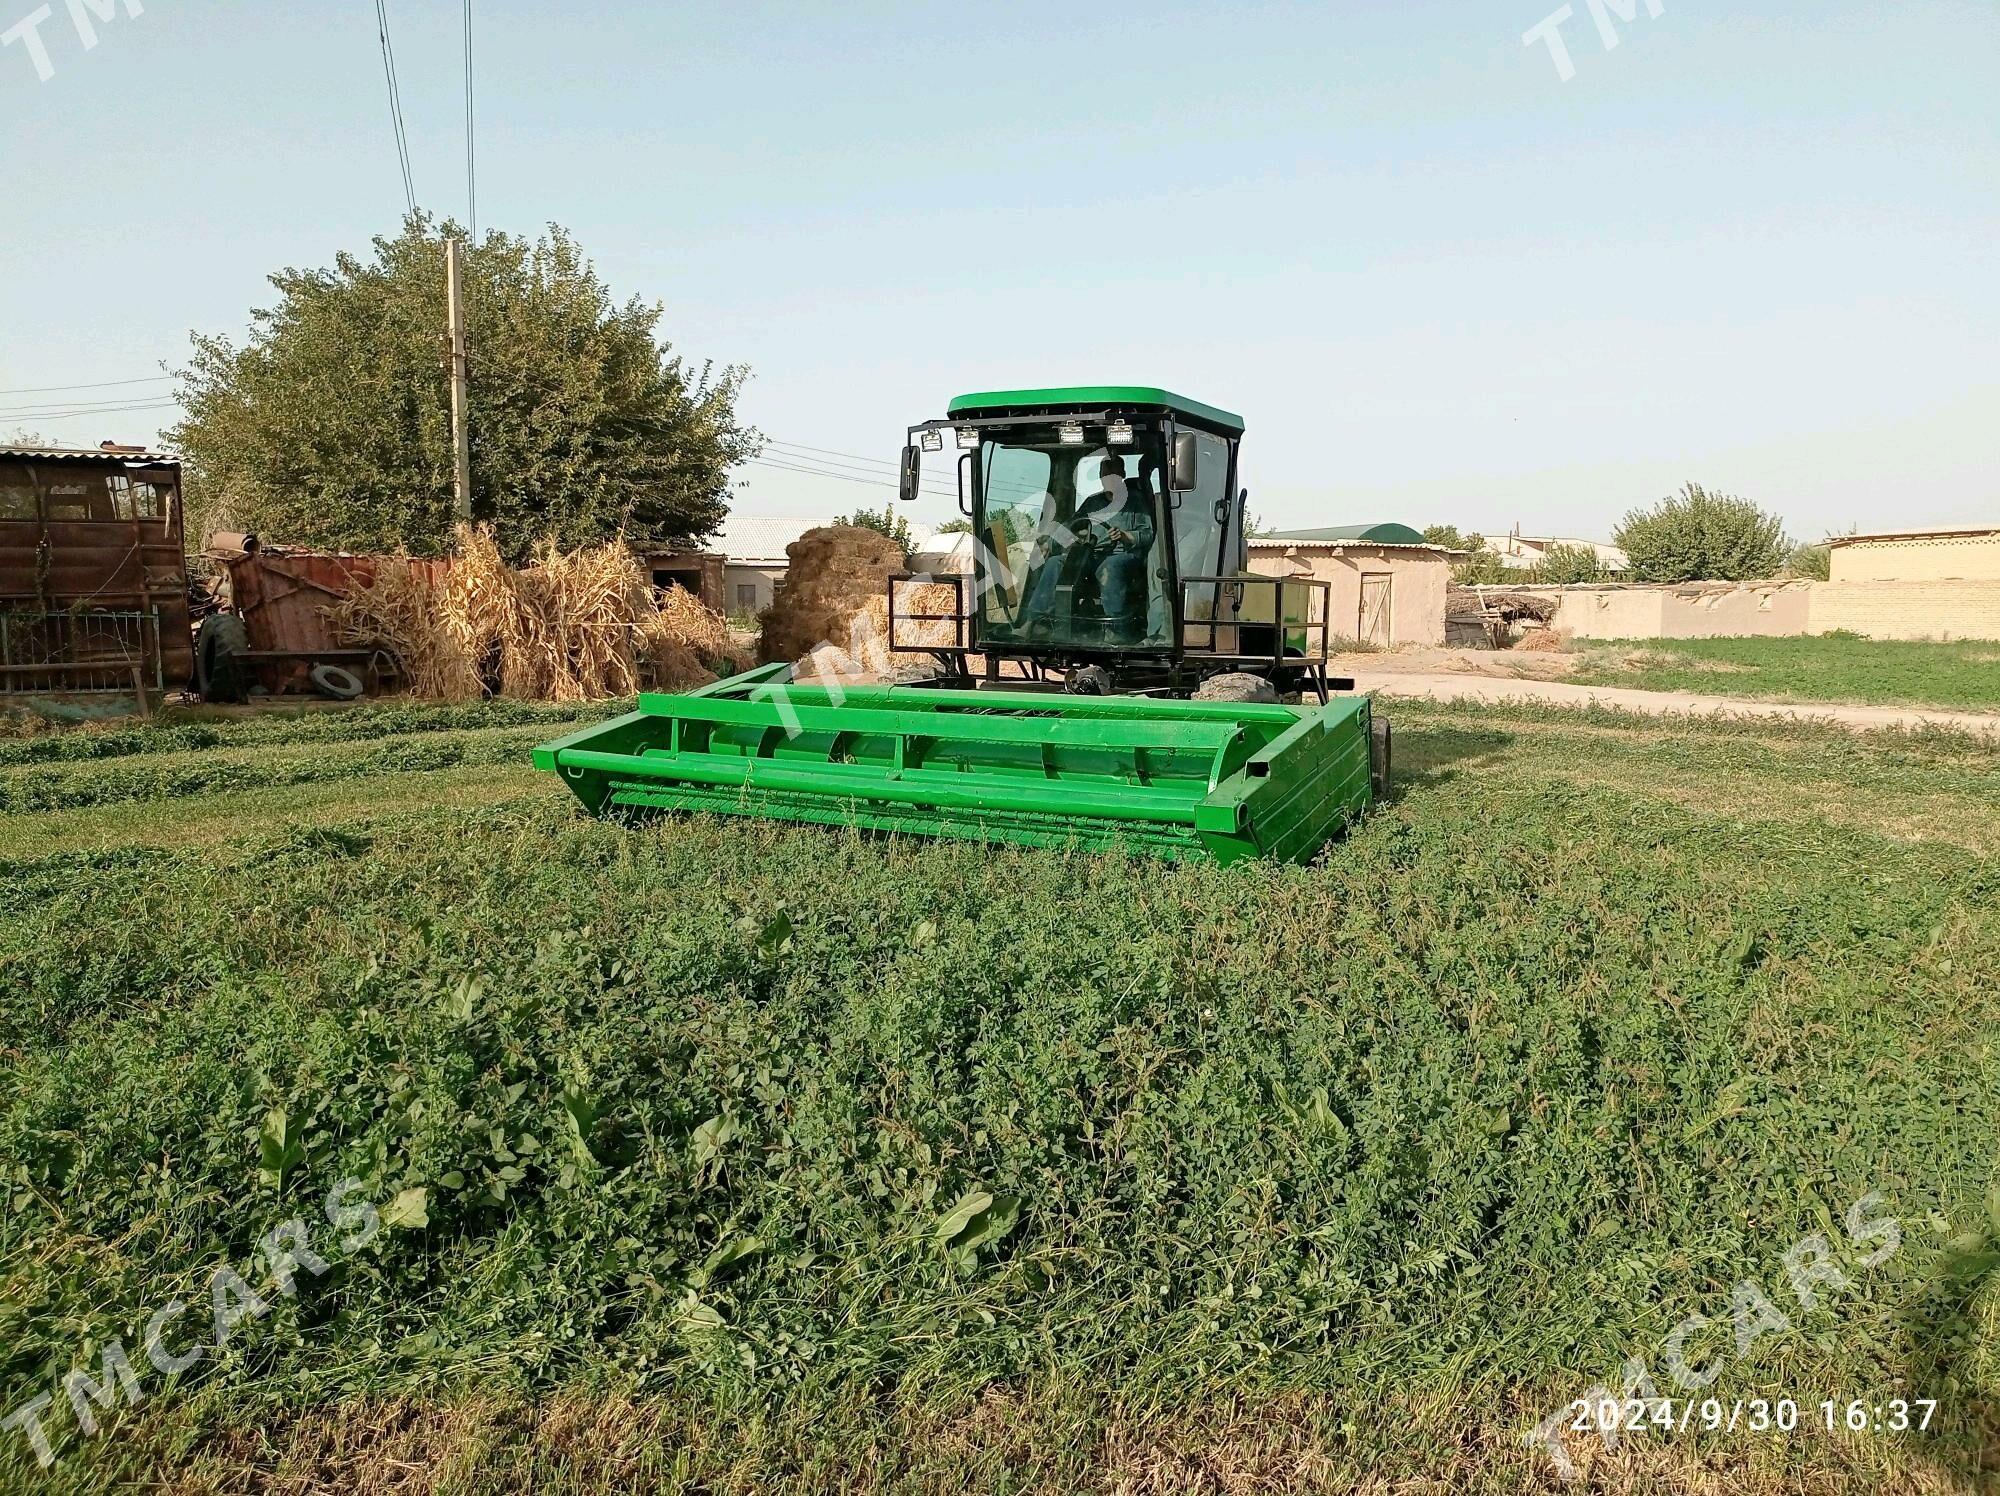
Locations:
(1387, 533)
(86, 454)
(1376, 534)
(748, 537)
(1942, 532)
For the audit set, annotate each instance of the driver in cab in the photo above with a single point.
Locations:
(1118, 523)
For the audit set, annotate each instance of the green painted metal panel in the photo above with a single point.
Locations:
(1092, 397)
(1220, 780)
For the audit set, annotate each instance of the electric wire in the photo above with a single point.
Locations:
(104, 384)
(766, 462)
(57, 413)
(792, 457)
(471, 157)
(396, 105)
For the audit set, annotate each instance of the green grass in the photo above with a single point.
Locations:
(1327, 1176)
(1830, 668)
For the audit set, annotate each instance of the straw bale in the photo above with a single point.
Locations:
(580, 625)
(831, 575)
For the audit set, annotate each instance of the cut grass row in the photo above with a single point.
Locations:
(1962, 675)
(1322, 1175)
(201, 730)
(157, 778)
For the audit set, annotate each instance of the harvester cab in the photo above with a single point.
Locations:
(1106, 551)
(1106, 588)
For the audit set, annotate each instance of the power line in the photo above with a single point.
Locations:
(58, 412)
(471, 159)
(57, 389)
(787, 467)
(819, 472)
(395, 105)
(119, 402)
(876, 470)
(827, 452)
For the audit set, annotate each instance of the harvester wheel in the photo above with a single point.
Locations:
(219, 645)
(1379, 746)
(1236, 685)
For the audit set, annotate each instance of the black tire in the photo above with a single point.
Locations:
(221, 672)
(1380, 750)
(335, 683)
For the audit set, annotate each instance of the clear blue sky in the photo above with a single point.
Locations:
(1754, 245)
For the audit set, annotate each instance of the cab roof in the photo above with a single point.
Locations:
(1062, 399)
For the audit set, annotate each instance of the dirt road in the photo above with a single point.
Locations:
(1443, 686)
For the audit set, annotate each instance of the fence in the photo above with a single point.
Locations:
(80, 651)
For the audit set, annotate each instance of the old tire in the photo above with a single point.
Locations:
(221, 672)
(1236, 685)
(1380, 745)
(335, 683)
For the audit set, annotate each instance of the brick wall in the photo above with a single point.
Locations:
(1909, 610)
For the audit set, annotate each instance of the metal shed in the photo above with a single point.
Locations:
(93, 579)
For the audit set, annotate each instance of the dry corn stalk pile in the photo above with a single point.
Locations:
(577, 626)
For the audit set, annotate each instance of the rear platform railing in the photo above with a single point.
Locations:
(80, 650)
(1275, 621)
(959, 617)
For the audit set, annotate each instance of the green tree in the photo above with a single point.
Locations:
(1814, 562)
(959, 526)
(1563, 563)
(329, 425)
(889, 522)
(1450, 537)
(1695, 535)
(1255, 528)
(1484, 568)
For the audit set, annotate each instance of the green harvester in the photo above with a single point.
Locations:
(1112, 676)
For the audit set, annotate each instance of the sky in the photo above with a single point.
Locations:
(1750, 245)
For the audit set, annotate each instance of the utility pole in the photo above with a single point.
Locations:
(461, 440)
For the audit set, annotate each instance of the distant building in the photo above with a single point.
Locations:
(1969, 553)
(1913, 584)
(1518, 552)
(1387, 585)
(754, 555)
(699, 572)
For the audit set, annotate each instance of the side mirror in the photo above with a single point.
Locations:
(913, 467)
(1185, 471)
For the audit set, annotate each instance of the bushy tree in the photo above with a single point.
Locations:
(329, 425)
(1695, 535)
(1563, 564)
(889, 521)
(1451, 539)
(1484, 568)
(1813, 562)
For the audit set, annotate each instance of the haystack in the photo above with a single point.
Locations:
(833, 574)
(572, 626)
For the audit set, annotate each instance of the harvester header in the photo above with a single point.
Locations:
(1204, 779)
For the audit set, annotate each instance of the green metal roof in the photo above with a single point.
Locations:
(1077, 396)
(1384, 534)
